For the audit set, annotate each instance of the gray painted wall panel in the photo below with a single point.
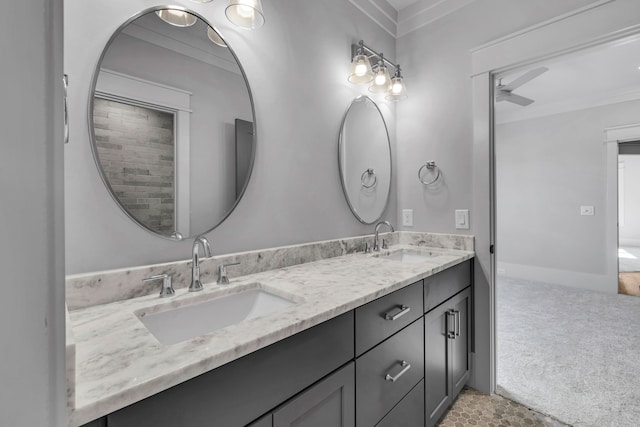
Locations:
(32, 373)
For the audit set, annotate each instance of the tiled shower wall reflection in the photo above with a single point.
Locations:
(136, 149)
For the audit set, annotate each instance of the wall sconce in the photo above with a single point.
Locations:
(398, 89)
(378, 76)
(243, 13)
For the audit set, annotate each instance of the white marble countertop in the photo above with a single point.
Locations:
(119, 362)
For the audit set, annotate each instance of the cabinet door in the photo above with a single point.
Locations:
(461, 305)
(329, 403)
(438, 393)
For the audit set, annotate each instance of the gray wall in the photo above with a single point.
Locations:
(32, 374)
(546, 169)
(297, 66)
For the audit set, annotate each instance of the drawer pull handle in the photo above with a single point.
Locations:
(403, 310)
(405, 367)
(451, 334)
(456, 314)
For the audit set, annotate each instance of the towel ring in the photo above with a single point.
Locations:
(431, 165)
(366, 174)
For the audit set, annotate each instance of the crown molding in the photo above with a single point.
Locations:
(410, 18)
(381, 12)
(425, 12)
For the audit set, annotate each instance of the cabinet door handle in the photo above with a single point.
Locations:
(456, 314)
(65, 82)
(451, 334)
(405, 367)
(403, 310)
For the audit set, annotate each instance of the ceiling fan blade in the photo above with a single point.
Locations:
(526, 77)
(516, 99)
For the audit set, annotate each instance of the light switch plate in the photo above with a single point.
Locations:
(407, 217)
(462, 219)
(587, 210)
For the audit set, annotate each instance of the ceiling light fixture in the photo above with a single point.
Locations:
(245, 13)
(215, 37)
(379, 77)
(177, 17)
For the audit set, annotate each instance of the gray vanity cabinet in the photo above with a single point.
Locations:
(409, 412)
(243, 390)
(447, 339)
(385, 374)
(331, 402)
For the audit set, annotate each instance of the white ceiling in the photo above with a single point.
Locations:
(599, 76)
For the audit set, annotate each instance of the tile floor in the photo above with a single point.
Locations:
(473, 408)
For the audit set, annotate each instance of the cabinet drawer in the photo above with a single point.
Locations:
(376, 393)
(409, 412)
(442, 286)
(379, 319)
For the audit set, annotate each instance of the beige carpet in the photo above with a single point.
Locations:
(629, 283)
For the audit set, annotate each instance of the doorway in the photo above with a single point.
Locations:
(560, 345)
(629, 218)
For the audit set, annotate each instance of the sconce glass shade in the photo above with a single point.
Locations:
(361, 71)
(382, 80)
(215, 37)
(177, 17)
(245, 13)
(398, 89)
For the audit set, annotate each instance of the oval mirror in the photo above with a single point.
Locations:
(365, 160)
(172, 123)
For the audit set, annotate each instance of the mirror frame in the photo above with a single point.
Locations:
(92, 136)
(340, 165)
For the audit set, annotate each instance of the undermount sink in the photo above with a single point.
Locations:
(174, 325)
(409, 255)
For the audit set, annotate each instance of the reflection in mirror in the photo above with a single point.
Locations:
(365, 160)
(172, 125)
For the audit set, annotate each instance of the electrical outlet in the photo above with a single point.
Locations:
(407, 217)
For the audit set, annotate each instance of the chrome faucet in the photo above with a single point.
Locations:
(195, 266)
(376, 245)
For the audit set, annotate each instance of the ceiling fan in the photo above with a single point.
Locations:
(505, 92)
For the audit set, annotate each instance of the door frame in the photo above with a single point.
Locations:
(594, 25)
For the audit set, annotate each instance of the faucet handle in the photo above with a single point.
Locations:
(223, 279)
(384, 244)
(167, 290)
(367, 248)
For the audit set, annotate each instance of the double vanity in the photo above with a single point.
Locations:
(329, 333)
(320, 333)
